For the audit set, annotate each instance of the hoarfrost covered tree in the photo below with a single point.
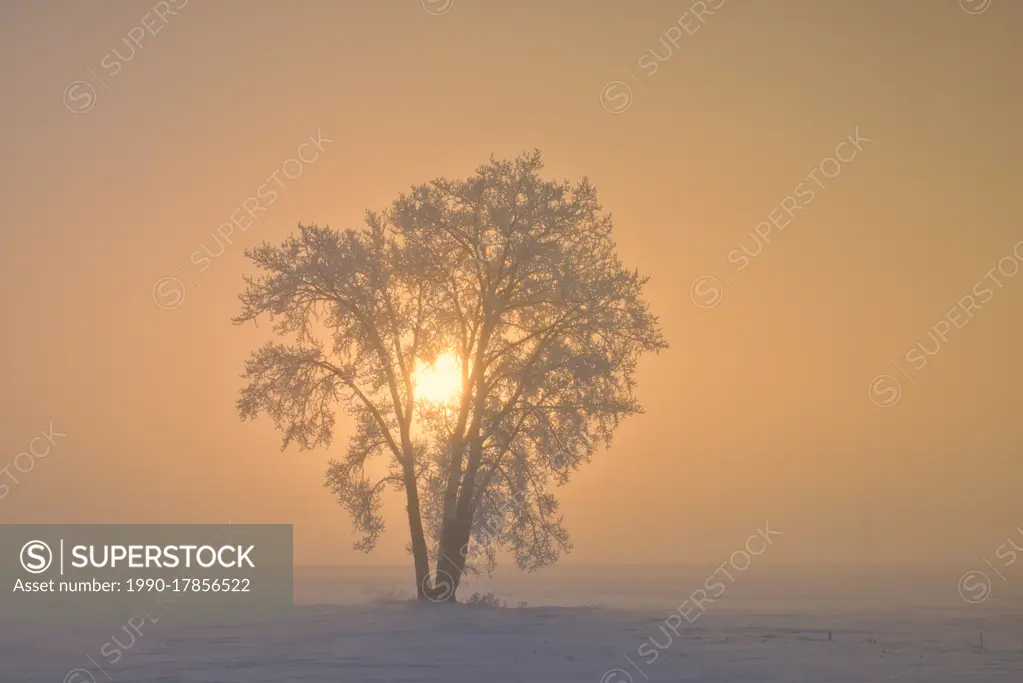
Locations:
(517, 279)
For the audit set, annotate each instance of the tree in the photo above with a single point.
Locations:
(518, 278)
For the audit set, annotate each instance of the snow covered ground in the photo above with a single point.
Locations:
(780, 625)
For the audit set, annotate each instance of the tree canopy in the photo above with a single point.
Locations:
(514, 276)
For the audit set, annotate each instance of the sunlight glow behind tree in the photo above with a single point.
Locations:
(513, 285)
(440, 382)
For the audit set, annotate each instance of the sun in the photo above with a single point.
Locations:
(440, 382)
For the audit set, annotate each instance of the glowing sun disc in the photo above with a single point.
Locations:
(440, 382)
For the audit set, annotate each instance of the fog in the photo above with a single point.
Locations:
(846, 372)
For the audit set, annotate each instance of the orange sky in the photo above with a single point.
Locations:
(760, 410)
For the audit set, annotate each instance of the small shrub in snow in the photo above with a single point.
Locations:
(485, 600)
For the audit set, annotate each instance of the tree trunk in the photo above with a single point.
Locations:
(457, 529)
(450, 561)
(415, 523)
(461, 531)
(448, 570)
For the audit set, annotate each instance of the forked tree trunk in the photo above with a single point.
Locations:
(447, 573)
(458, 543)
(457, 530)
